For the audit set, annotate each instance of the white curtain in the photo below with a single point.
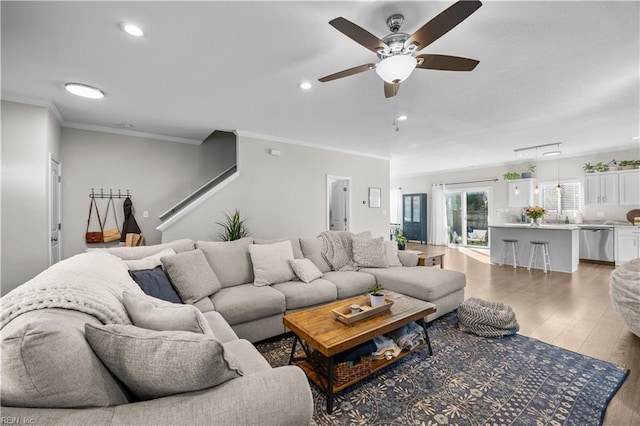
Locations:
(438, 217)
(395, 206)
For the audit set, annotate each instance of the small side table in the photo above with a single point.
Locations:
(431, 260)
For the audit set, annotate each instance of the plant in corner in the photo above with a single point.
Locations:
(233, 227)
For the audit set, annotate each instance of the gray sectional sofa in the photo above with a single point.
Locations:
(51, 375)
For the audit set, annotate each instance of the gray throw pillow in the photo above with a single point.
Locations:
(369, 253)
(191, 275)
(153, 364)
(155, 314)
(230, 260)
(391, 248)
(312, 250)
(305, 270)
(271, 263)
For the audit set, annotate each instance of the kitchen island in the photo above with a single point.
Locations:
(562, 239)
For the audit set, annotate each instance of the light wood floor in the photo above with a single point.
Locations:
(572, 311)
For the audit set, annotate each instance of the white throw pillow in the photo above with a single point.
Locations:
(149, 262)
(391, 248)
(156, 314)
(305, 269)
(271, 263)
(369, 253)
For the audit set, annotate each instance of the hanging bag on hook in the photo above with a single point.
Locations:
(111, 234)
(93, 237)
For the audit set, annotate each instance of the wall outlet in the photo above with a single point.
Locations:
(600, 214)
(145, 213)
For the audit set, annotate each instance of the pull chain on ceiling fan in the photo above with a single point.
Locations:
(396, 51)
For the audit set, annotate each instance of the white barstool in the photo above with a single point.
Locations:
(543, 247)
(509, 247)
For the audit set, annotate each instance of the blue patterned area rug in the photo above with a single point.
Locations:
(472, 380)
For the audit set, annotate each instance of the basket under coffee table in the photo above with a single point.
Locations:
(322, 337)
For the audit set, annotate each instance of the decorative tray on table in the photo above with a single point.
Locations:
(343, 313)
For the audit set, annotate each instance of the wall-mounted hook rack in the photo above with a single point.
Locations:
(111, 194)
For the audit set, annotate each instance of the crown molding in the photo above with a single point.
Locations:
(247, 134)
(35, 102)
(128, 132)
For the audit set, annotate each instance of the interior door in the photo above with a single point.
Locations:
(54, 210)
(338, 203)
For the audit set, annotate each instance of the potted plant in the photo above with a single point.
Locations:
(233, 227)
(401, 239)
(588, 168)
(376, 295)
(535, 213)
(510, 176)
(629, 164)
(531, 169)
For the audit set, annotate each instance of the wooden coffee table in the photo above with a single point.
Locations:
(318, 328)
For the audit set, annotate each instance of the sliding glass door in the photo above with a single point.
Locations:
(468, 217)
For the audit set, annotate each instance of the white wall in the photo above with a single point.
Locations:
(157, 173)
(29, 135)
(285, 196)
(546, 171)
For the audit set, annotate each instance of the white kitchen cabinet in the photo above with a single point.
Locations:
(629, 183)
(523, 197)
(627, 243)
(601, 188)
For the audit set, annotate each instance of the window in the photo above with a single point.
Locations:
(567, 202)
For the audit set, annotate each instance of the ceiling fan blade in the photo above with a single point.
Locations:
(358, 34)
(443, 23)
(391, 89)
(346, 73)
(445, 63)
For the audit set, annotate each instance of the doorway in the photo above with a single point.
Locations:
(468, 217)
(54, 210)
(338, 203)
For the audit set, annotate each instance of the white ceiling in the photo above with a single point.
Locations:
(549, 71)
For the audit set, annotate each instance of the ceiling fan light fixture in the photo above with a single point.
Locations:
(396, 68)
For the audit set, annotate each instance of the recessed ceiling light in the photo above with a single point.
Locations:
(132, 29)
(305, 85)
(402, 117)
(84, 90)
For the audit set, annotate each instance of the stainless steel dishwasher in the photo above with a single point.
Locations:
(596, 244)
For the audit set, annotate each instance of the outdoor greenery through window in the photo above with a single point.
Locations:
(566, 202)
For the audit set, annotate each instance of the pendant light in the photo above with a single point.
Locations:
(559, 188)
(536, 190)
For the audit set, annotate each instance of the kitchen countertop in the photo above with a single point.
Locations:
(567, 225)
(554, 226)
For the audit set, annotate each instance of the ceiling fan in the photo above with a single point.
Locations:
(396, 51)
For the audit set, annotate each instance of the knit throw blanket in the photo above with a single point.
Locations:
(91, 283)
(337, 250)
